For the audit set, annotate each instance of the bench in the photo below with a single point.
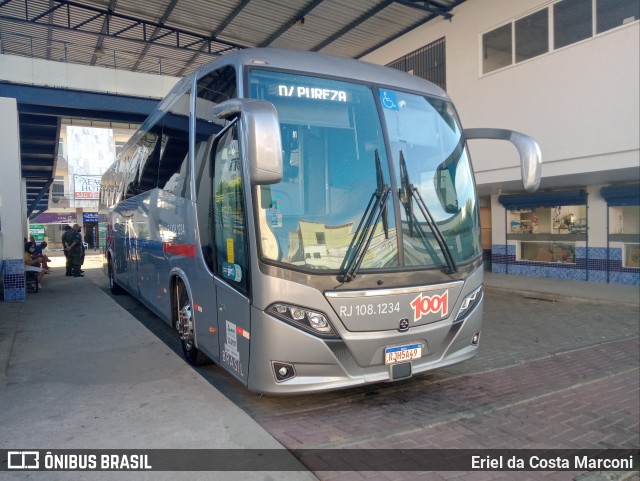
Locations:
(31, 281)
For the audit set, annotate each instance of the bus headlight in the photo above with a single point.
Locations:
(313, 321)
(318, 322)
(468, 304)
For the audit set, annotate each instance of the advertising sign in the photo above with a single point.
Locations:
(86, 186)
(56, 218)
(102, 233)
(37, 231)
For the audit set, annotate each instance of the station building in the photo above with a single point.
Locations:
(566, 73)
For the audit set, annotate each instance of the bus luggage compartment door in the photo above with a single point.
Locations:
(234, 315)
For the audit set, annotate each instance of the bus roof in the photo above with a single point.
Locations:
(312, 63)
(322, 64)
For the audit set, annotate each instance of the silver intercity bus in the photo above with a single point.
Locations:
(307, 222)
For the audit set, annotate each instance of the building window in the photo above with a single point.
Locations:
(549, 221)
(624, 232)
(613, 13)
(427, 62)
(496, 47)
(532, 35)
(558, 252)
(572, 22)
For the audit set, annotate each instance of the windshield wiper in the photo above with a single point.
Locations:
(409, 193)
(376, 208)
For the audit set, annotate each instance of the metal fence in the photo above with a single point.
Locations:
(428, 62)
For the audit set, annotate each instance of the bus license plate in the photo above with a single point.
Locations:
(393, 355)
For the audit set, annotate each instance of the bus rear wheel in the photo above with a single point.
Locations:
(185, 327)
(113, 286)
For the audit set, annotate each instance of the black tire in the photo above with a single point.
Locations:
(115, 289)
(185, 327)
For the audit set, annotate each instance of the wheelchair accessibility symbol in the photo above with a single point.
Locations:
(388, 100)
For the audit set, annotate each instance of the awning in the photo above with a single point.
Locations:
(621, 195)
(544, 199)
(55, 218)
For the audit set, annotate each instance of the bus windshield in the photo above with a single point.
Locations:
(335, 166)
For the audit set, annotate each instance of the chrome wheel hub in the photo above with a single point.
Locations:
(185, 324)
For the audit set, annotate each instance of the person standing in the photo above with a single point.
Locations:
(67, 239)
(75, 250)
(83, 250)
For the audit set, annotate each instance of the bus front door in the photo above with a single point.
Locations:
(234, 323)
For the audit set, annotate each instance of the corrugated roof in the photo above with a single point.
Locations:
(173, 37)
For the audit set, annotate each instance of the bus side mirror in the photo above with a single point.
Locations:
(530, 156)
(260, 137)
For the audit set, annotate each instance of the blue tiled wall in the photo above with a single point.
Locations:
(13, 280)
(592, 268)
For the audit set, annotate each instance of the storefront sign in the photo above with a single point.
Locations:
(37, 231)
(86, 186)
(89, 217)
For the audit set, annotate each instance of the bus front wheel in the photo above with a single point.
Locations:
(185, 327)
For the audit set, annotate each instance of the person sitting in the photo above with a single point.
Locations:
(38, 253)
(32, 264)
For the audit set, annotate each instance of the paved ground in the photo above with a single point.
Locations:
(549, 375)
(79, 372)
(554, 371)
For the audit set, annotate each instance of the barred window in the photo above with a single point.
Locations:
(428, 62)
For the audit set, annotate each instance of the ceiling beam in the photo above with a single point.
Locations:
(290, 22)
(50, 33)
(143, 37)
(404, 31)
(361, 19)
(225, 23)
(103, 32)
(156, 32)
(407, 29)
(427, 6)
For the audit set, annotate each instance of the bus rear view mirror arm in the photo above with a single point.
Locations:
(530, 156)
(260, 134)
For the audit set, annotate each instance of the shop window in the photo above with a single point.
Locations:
(624, 220)
(624, 232)
(632, 255)
(549, 220)
(558, 252)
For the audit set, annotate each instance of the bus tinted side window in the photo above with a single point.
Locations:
(173, 172)
(211, 89)
(147, 152)
(229, 213)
